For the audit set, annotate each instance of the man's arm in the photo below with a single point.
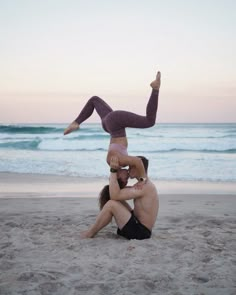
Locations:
(118, 194)
(115, 192)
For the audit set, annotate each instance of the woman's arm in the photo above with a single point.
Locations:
(132, 162)
(128, 161)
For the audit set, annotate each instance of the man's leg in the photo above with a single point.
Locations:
(95, 102)
(110, 209)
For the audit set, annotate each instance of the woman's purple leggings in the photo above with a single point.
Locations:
(115, 122)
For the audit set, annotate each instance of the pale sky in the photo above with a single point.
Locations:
(55, 54)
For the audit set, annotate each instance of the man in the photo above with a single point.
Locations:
(136, 224)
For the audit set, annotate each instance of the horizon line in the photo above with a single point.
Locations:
(48, 123)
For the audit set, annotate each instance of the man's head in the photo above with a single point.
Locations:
(133, 170)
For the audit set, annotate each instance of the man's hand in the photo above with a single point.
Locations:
(139, 185)
(114, 163)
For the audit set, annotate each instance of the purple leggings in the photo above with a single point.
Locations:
(115, 122)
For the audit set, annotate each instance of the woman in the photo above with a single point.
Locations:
(115, 122)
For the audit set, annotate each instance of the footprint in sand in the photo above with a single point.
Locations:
(201, 278)
(5, 245)
(49, 288)
(6, 265)
(35, 276)
(13, 224)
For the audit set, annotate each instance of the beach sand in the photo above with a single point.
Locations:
(192, 250)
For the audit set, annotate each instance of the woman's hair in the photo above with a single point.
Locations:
(104, 195)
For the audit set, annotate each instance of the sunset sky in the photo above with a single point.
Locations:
(56, 54)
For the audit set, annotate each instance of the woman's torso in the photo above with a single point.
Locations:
(118, 145)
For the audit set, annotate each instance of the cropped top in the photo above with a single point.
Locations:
(118, 148)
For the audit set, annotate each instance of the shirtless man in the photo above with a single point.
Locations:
(132, 224)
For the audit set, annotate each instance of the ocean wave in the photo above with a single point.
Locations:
(64, 149)
(21, 145)
(95, 131)
(181, 136)
(93, 136)
(230, 151)
(38, 144)
(84, 133)
(29, 129)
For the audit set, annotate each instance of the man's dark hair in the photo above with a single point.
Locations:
(145, 162)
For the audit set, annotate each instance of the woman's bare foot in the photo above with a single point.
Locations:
(72, 127)
(86, 235)
(156, 83)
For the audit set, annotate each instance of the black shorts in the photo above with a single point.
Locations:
(134, 229)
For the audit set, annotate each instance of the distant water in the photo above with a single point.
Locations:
(203, 152)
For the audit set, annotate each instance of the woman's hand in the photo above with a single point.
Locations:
(114, 163)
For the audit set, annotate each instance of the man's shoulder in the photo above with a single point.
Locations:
(149, 181)
(145, 186)
(150, 185)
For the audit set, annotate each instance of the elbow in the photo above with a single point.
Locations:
(113, 193)
(139, 162)
(139, 165)
(113, 197)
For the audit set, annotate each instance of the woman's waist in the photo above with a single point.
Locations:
(119, 140)
(117, 147)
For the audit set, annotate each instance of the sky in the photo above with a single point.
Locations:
(56, 54)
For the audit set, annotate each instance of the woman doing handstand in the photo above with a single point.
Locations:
(115, 122)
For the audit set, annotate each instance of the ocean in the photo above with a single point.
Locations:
(188, 152)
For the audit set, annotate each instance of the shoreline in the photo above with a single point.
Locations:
(33, 185)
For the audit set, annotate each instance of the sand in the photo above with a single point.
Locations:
(192, 250)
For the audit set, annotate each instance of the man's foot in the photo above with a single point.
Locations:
(72, 127)
(86, 235)
(156, 83)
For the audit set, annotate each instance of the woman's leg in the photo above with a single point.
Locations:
(95, 102)
(117, 121)
(129, 119)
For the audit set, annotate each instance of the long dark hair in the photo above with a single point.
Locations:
(104, 195)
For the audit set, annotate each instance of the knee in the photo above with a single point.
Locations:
(111, 204)
(151, 122)
(94, 98)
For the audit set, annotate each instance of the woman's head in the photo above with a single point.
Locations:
(122, 177)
